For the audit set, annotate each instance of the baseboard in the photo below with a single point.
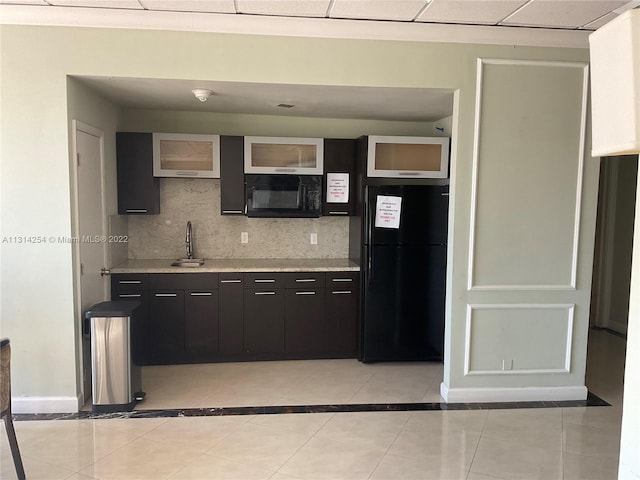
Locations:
(522, 394)
(45, 404)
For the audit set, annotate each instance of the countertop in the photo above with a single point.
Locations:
(218, 265)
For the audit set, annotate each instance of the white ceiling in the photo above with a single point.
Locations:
(562, 14)
(522, 16)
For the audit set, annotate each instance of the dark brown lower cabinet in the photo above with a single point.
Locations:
(165, 332)
(201, 324)
(341, 314)
(304, 321)
(231, 314)
(263, 321)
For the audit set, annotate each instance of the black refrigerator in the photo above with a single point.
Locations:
(403, 266)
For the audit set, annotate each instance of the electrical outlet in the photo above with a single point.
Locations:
(313, 239)
(507, 364)
(244, 237)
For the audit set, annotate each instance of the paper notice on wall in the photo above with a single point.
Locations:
(337, 188)
(388, 211)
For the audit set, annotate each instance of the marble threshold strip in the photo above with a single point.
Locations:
(591, 401)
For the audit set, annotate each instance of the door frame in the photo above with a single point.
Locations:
(78, 126)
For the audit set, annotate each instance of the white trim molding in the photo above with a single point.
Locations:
(571, 286)
(45, 404)
(569, 307)
(290, 26)
(515, 394)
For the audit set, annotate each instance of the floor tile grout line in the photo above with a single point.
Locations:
(390, 445)
(475, 451)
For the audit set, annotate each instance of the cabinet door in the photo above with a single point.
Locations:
(408, 157)
(288, 155)
(201, 324)
(263, 321)
(166, 326)
(341, 314)
(339, 191)
(138, 189)
(231, 314)
(134, 287)
(232, 175)
(304, 321)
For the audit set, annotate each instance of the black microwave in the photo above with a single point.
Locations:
(283, 195)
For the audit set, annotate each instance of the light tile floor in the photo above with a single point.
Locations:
(552, 443)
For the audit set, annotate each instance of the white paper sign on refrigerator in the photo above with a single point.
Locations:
(388, 211)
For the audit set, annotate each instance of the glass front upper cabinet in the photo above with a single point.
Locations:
(284, 155)
(408, 157)
(186, 155)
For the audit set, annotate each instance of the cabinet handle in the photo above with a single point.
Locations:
(266, 280)
(445, 194)
(408, 173)
(342, 279)
(338, 213)
(285, 169)
(129, 282)
(129, 295)
(264, 293)
(305, 293)
(187, 174)
(166, 294)
(305, 280)
(230, 281)
(233, 211)
(201, 294)
(341, 292)
(136, 210)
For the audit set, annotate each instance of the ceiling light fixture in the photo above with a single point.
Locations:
(202, 94)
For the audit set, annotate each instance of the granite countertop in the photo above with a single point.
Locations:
(218, 265)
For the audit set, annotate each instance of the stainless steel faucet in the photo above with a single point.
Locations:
(189, 241)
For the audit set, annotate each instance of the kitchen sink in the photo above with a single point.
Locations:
(188, 262)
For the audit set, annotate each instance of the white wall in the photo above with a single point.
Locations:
(35, 166)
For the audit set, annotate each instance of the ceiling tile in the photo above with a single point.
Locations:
(129, 4)
(377, 9)
(24, 2)
(209, 6)
(600, 22)
(469, 11)
(562, 13)
(291, 8)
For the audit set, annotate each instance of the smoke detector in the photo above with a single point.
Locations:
(202, 94)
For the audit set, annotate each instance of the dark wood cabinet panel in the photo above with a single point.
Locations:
(232, 196)
(263, 321)
(134, 287)
(304, 321)
(340, 157)
(201, 324)
(341, 323)
(138, 189)
(231, 314)
(166, 326)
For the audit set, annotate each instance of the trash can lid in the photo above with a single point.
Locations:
(115, 308)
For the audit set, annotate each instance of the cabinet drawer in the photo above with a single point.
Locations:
(264, 280)
(305, 280)
(133, 281)
(183, 281)
(230, 279)
(342, 280)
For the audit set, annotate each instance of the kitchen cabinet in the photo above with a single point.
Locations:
(339, 189)
(407, 157)
(231, 314)
(134, 287)
(183, 317)
(341, 314)
(304, 312)
(284, 155)
(186, 155)
(138, 189)
(263, 313)
(232, 196)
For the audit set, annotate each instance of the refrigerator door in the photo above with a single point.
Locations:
(403, 306)
(423, 215)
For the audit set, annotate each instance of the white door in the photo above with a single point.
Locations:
(91, 252)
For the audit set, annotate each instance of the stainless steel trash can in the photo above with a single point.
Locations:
(116, 381)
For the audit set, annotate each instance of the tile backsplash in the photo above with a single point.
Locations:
(217, 236)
